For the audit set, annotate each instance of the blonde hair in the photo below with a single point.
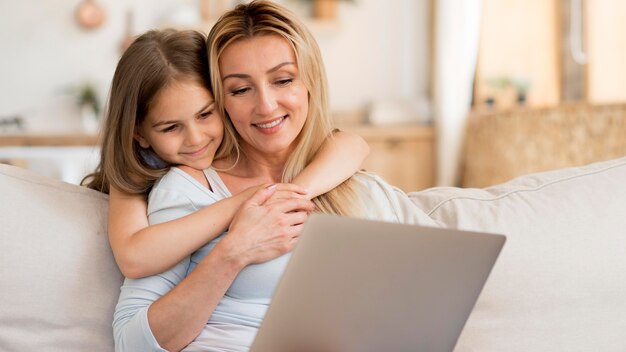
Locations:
(152, 62)
(265, 18)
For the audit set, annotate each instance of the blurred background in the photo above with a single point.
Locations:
(408, 75)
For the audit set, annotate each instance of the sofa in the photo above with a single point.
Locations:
(558, 285)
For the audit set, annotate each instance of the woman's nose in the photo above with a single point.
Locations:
(265, 102)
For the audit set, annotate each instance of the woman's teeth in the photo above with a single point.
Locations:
(271, 124)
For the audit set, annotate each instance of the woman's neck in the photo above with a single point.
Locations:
(252, 169)
(258, 165)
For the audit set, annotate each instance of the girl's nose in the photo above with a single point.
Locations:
(194, 135)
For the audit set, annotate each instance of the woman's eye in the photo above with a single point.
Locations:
(239, 91)
(284, 82)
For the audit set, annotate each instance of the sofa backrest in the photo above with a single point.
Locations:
(501, 145)
(560, 281)
(58, 280)
(558, 285)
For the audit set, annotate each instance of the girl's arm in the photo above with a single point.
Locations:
(339, 157)
(134, 242)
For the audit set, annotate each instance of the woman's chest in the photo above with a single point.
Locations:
(237, 183)
(256, 282)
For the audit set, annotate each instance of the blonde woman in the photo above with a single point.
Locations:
(269, 81)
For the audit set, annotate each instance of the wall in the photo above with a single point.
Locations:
(518, 41)
(376, 50)
(606, 50)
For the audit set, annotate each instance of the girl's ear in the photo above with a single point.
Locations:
(141, 140)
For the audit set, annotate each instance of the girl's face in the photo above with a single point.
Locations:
(264, 96)
(182, 125)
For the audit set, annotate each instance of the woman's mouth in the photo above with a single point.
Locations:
(270, 126)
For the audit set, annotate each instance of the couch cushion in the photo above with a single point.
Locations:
(58, 281)
(560, 281)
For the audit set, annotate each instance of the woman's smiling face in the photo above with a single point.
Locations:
(265, 98)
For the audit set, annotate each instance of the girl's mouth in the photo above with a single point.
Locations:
(198, 152)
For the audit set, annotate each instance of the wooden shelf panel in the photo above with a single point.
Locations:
(404, 155)
(47, 140)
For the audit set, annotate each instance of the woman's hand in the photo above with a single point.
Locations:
(282, 191)
(265, 228)
(286, 191)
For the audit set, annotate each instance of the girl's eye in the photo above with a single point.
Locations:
(239, 91)
(206, 114)
(284, 82)
(171, 128)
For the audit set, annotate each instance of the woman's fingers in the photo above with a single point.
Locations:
(296, 218)
(293, 204)
(291, 187)
(262, 195)
(278, 195)
(261, 232)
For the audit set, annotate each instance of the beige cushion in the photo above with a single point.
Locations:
(58, 280)
(560, 281)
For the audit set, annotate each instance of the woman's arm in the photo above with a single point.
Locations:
(337, 160)
(134, 242)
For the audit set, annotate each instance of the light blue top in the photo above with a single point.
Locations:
(238, 314)
(235, 321)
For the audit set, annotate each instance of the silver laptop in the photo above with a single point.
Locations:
(357, 285)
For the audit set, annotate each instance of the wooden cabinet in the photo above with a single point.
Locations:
(402, 154)
(68, 157)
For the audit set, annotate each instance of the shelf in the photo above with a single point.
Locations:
(47, 140)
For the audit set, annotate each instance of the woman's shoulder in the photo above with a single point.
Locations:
(373, 182)
(390, 203)
(374, 192)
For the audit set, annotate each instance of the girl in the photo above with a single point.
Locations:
(161, 114)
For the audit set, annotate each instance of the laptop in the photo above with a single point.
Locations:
(355, 285)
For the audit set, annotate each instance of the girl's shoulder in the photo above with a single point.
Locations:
(192, 186)
(178, 181)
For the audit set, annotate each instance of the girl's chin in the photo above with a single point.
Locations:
(200, 165)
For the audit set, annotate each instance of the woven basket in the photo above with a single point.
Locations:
(502, 145)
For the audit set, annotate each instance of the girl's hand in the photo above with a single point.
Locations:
(263, 230)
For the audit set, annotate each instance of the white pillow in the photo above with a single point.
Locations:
(58, 280)
(560, 281)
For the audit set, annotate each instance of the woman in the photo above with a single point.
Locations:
(269, 80)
